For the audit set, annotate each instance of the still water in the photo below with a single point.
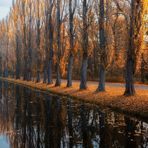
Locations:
(33, 119)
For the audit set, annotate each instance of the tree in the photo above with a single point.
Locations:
(143, 63)
(38, 36)
(17, 58)
(5, 74)
(38, 43)
(83, 74)
(0, 66)
(102, 61)
(134, 45)
(50, 52)
(58, 40)
(15, 25)
(29, 60)
(71, 40)
(25, 56)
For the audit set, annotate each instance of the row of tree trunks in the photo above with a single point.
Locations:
(132, 51)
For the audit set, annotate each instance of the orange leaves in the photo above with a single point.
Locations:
(113, 97)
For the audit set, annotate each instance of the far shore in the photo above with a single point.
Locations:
(113, 97)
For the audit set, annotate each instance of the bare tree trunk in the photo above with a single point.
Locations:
(58, 75)
(29, 64)
(46, 44)
(101, 86)
(50, 53)
(142, 69)
(83, 81)
(49, 29)
(17, 51)
(70, 67)
(71, 56)
(58, 70)
(38, 44)
(17, 71)
(130, 90)
(24, 42)
(134, 45)
(49, 71)
(83, 84)
(45, 72)
(6, 73)
(1, 73)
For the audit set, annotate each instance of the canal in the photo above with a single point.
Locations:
(34, 119)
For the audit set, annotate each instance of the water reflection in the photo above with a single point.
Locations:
(30, 119)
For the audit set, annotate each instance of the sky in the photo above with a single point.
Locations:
(4, 8)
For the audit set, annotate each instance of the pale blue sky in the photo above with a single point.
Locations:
(4, 8)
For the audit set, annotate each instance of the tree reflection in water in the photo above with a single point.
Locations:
(32, 119)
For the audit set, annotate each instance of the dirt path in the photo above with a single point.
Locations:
(122, 85)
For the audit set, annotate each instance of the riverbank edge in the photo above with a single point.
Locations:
(50, 89)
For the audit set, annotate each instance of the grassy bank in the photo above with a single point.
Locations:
(112, 98)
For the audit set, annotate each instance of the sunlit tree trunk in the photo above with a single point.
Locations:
(134, 45)
(83, 81)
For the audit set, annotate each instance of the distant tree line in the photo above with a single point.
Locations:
(87, 39)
